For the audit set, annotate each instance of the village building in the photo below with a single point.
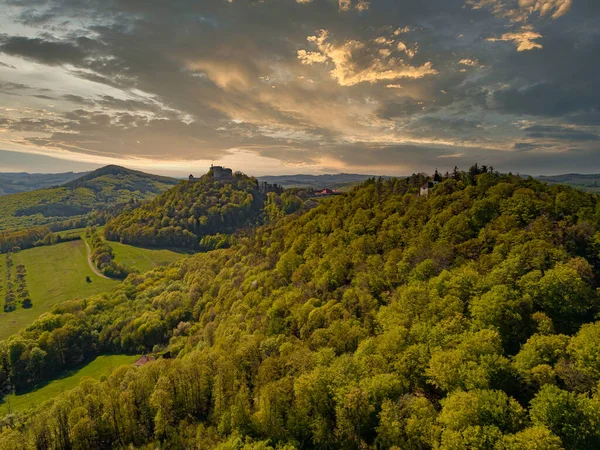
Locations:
(430, 184)
(326, 192)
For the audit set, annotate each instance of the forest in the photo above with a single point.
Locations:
(465, 319)
(187, 215)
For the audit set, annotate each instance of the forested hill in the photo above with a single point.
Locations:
(379, 319)
(97, 190)
(193, 213)
(120, 178)
(585, 182)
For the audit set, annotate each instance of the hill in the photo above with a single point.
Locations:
(97, 190)
(194, 210)
(379, 319)
(588, 183)
(331, 181)
(12, 183)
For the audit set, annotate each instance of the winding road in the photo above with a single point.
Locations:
(91, 264)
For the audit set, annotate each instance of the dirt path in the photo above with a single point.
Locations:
(91, 264)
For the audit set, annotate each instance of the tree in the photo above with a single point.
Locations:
(533, 438)
(572, 418)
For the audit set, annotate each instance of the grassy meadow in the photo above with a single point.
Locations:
(143, 259)
(54, 274)
(58, 272)
(101, 366)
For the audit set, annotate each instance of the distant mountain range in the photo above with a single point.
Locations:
(332, 181)
(588, 183)
(12, 183)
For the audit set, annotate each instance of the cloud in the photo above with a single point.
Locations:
(522, 10)
(523, 39)
(359, 5)
(388, 87)
(469, 62)
(561, 133)
(546, 99)
(43, 51)
(356, 62)
(8, 66)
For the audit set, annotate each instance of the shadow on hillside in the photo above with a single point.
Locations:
(61, 376)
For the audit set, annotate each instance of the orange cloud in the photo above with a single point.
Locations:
(357, 62)
(521, 10)
(524, 39)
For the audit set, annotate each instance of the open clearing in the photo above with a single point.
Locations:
(101, 366)
(143, 259)
(54, 274)
(58, 272)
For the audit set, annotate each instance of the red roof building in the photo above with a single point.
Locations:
(144, 360)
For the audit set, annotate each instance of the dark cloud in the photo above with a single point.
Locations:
(559, 132)
(190, 79)
(45, 52)
(545, 99)
(525, 146)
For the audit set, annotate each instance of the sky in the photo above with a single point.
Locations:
(386, 87)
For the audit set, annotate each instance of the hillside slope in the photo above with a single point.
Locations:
(96, 190)
(585, 182)
(379, 319)
(185, 214)
(12, 183)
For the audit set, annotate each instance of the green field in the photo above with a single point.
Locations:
(58, 272)
(54, 274)
(140, 258)
(101, 366)
(143, 259)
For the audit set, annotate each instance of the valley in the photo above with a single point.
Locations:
(59, 272)
(54, 274)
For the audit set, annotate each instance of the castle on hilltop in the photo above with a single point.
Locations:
(218, 172)
(224, 173)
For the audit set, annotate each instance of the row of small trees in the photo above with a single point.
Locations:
(17, 290)
(21, 283)
(9, 295)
